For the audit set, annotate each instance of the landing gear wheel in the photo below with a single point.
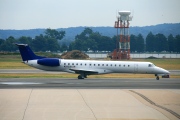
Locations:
(80, 77)
(157, 77)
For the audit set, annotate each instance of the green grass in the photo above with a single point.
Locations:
(13, 61)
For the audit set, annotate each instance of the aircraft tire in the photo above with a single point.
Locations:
(80, 77)
(157, 77)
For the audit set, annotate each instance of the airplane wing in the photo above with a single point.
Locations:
(78, 71)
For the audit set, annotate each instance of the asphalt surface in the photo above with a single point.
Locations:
(144, 83)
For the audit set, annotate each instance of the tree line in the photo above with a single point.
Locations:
(94, 41)
(46, 42)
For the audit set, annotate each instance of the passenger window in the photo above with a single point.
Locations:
(111, 64)
(124, 65)
(94, 64)
(102, 64)
(81, 64)
(115, 65)
(76, 63)
(68, 63)
(150, 65)
(89, 64)
(85, 64)
(64, 63)
(106, 64)
(119, 65)
(72, 63)
(98, 64)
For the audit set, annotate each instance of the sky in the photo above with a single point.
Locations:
(32, 14)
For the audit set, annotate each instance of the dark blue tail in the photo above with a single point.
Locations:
(27, 53)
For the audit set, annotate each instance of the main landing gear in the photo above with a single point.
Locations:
(82, 76)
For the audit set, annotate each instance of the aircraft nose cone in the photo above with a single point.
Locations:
(162, 71)
(167, 72)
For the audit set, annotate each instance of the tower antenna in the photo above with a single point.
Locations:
(122, 50)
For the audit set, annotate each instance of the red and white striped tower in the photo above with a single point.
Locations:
(122, 50)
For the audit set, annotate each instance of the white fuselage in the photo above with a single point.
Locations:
(102, 67)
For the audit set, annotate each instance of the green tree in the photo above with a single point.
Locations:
(8, 44)
(70, 48)
(52, 44)
(52, 33)
(133, 44)
(140, 43)
(84, 41)
(106, 44)
(64, 47)
(150, 42)
(161, 43)
(1, 41)
(85, 34)
(177, 43)
(115, 41)
(39, 43)
(171, 43)
(25, 40)
(93, 41)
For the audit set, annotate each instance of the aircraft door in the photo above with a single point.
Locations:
(135, 68)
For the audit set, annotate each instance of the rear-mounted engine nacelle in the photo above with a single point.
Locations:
(51, 62)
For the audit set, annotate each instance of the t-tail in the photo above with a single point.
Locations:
(27, 53)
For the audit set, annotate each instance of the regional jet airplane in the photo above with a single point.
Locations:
(88, 67)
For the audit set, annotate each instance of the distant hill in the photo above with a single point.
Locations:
(71, 32)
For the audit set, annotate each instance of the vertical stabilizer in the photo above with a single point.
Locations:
(27, 53)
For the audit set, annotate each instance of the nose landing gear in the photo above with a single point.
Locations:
(157, 77)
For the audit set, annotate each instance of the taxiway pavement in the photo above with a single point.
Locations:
(89, 83)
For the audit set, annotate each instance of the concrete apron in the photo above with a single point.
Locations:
(84, 104)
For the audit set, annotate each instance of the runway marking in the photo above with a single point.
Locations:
(159, 106)
(19, 83)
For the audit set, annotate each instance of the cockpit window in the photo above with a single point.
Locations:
(150, 65)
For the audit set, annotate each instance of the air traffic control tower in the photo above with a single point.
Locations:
(122, 50)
